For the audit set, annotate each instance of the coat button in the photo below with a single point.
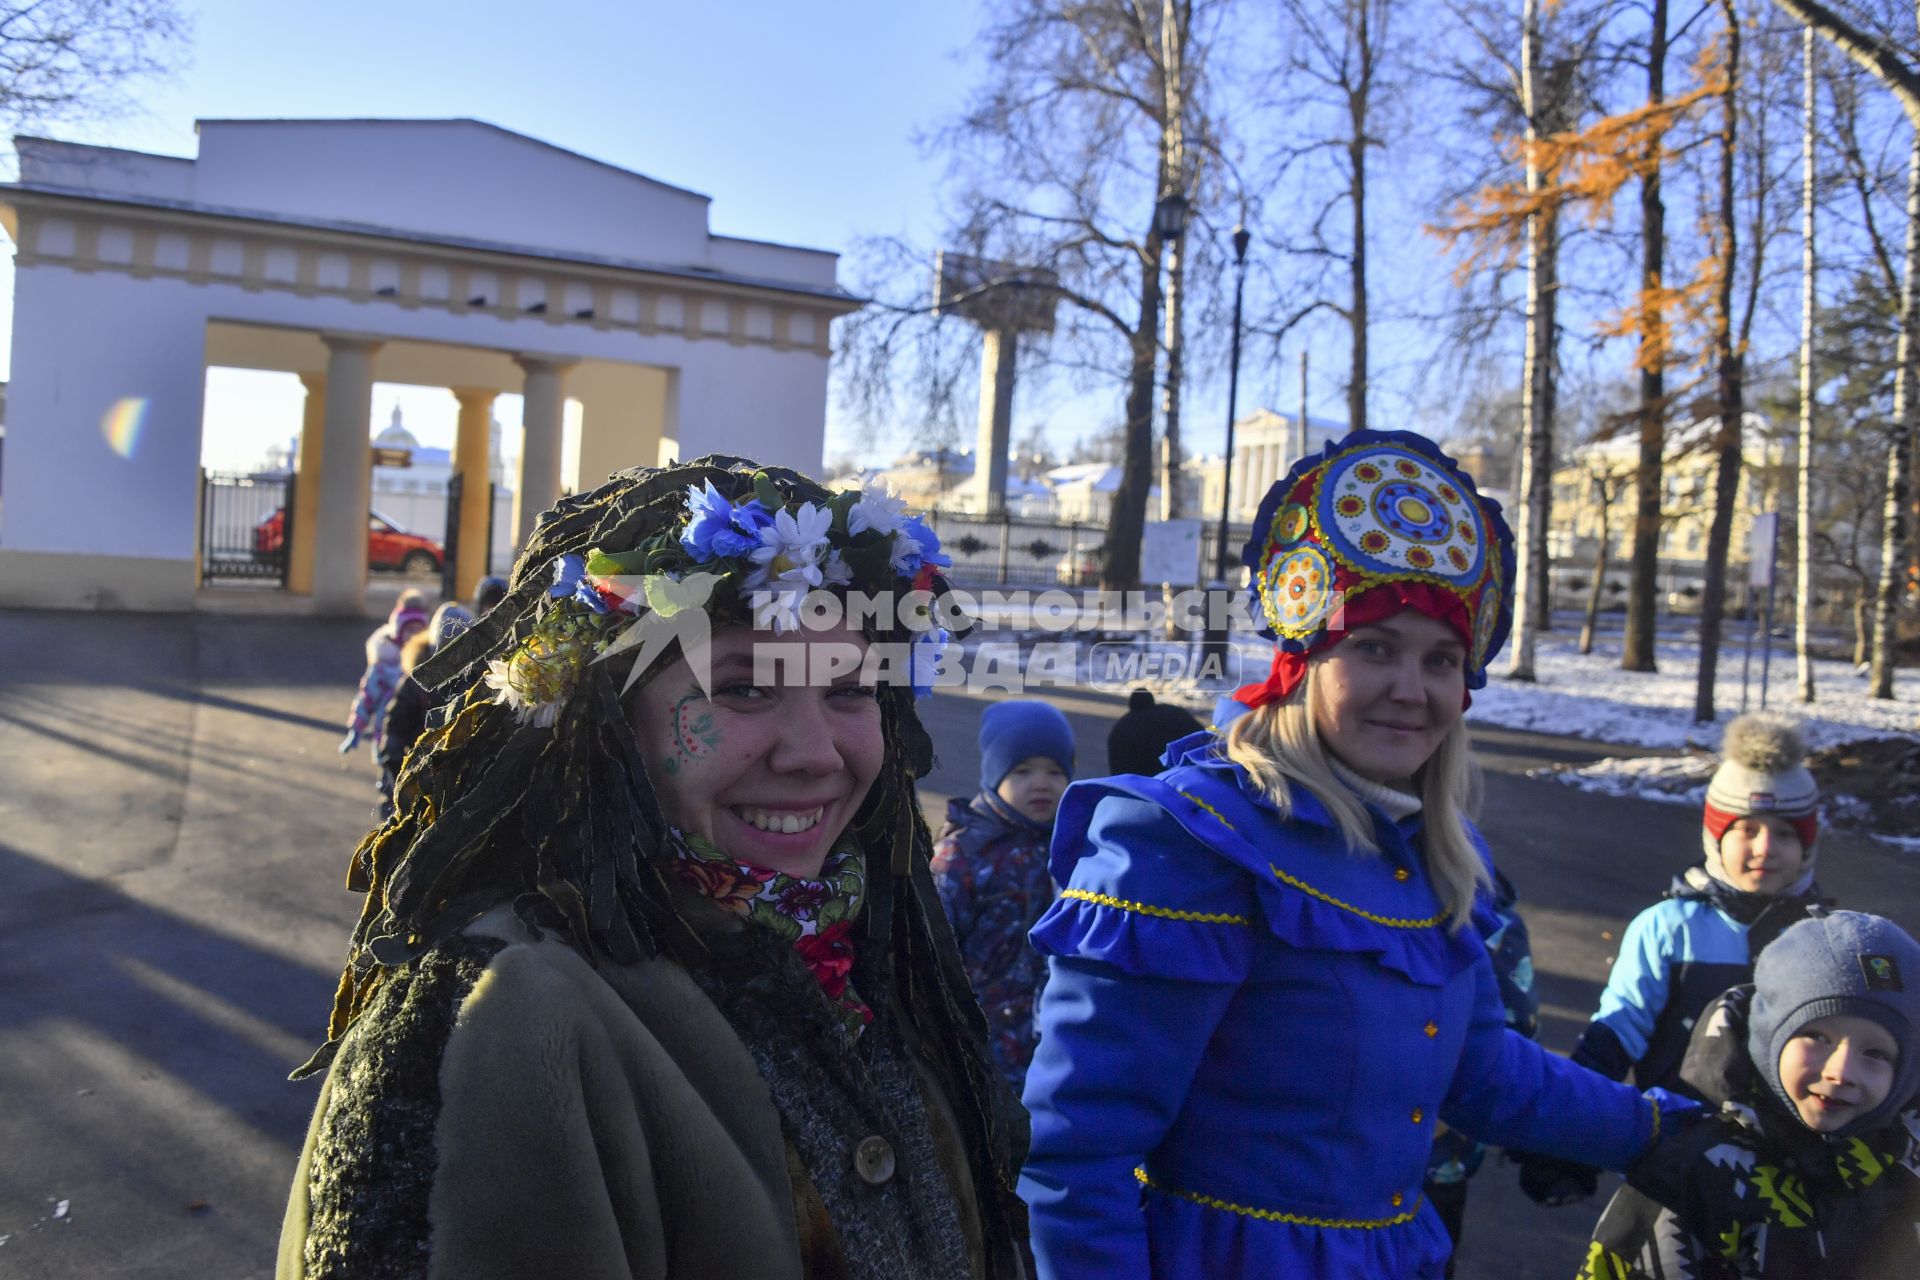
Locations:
(1432, 1029)
(873, 1160)
(1401, 873)
(1418, 1115)
(1398, 1199)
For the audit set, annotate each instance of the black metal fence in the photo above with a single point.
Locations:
(246, 527)
(456, 485)
(1029, 552)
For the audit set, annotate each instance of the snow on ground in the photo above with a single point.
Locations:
(1591, 697)
(1578, 696)
(1675, 779)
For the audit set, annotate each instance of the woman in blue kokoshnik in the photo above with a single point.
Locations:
(1268, 984)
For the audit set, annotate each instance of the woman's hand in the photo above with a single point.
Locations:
(1553, 1182)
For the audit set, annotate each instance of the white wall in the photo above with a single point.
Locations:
(83, 343)
(448, 177)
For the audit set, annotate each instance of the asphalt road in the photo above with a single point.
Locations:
(174, 830)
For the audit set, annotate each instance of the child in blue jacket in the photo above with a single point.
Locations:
(1755, 881)
(990, 866)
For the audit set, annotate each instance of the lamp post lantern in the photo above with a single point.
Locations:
(1170, 215)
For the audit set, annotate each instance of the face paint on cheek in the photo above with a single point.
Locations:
(695, 735)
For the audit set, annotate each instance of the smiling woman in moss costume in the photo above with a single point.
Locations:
(1268, 983)
(651, 979)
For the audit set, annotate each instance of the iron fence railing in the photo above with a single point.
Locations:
(246, 527)
(1023, 551)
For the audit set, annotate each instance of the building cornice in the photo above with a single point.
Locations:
(388, 265)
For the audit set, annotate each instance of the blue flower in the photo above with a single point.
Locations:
(749, 518)
(914, 545)
(715, 527)
(570, 581)
(924, 659)
(709, 515)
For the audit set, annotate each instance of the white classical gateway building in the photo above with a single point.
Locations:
(437, 252)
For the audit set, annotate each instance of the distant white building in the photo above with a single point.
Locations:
(1266, 444)
(943, 480)
(440, 253)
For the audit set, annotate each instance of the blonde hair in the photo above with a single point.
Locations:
(1279, 746)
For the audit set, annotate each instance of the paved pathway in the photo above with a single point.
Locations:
(174, 829)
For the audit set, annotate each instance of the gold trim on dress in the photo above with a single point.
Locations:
(1275, 1215)
(1169, 913)
(1394, 922)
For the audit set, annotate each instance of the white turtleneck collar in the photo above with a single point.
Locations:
(1396, 804)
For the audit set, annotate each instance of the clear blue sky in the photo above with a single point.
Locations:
(798, 120)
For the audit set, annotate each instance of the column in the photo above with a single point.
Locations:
(346, 478)
(995, 433)
(472, 458)
(306, 485)
(543, 420)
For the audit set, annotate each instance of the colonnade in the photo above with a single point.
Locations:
(1257, 465)
(333, 483)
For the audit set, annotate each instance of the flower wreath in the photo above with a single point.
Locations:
(757, 557)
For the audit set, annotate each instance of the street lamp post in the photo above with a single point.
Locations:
(1241, 238)
(1217, 638)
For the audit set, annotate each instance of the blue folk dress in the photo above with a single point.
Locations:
(1249, 1034)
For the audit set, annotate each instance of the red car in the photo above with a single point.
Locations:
(388, 545)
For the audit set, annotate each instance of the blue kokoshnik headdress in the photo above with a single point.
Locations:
(1381, 521)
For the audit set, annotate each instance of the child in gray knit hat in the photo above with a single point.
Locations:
(1812, 1165)
(1757, 830)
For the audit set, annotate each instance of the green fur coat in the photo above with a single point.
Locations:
(503, 1110)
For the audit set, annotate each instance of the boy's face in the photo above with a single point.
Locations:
(1761, 855)
(1839, 1068)
(1033, 788)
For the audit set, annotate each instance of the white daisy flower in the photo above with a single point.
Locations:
(507, 693)
(878, 509)
(792, 546)
(776, 607)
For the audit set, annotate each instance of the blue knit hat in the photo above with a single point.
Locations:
(1012, 731)
(1848, 963)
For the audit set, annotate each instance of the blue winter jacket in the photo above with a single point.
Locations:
(1248, 1034)
(1675, 957)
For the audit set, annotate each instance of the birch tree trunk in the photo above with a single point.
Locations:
(1174, 158)
(1893, 532)
(1537, 381)
(1803, 492)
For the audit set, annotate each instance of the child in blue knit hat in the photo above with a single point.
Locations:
(990, 866)
(1812, 1165)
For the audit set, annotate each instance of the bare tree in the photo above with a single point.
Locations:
(1803, 488)
(1894, 65)
(1750, 83)
(1637, 649)
(72, 61)
(1605, 481)
(1339, 54)
(1057, 163)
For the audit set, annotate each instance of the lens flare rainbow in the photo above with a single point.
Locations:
(121, 424)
